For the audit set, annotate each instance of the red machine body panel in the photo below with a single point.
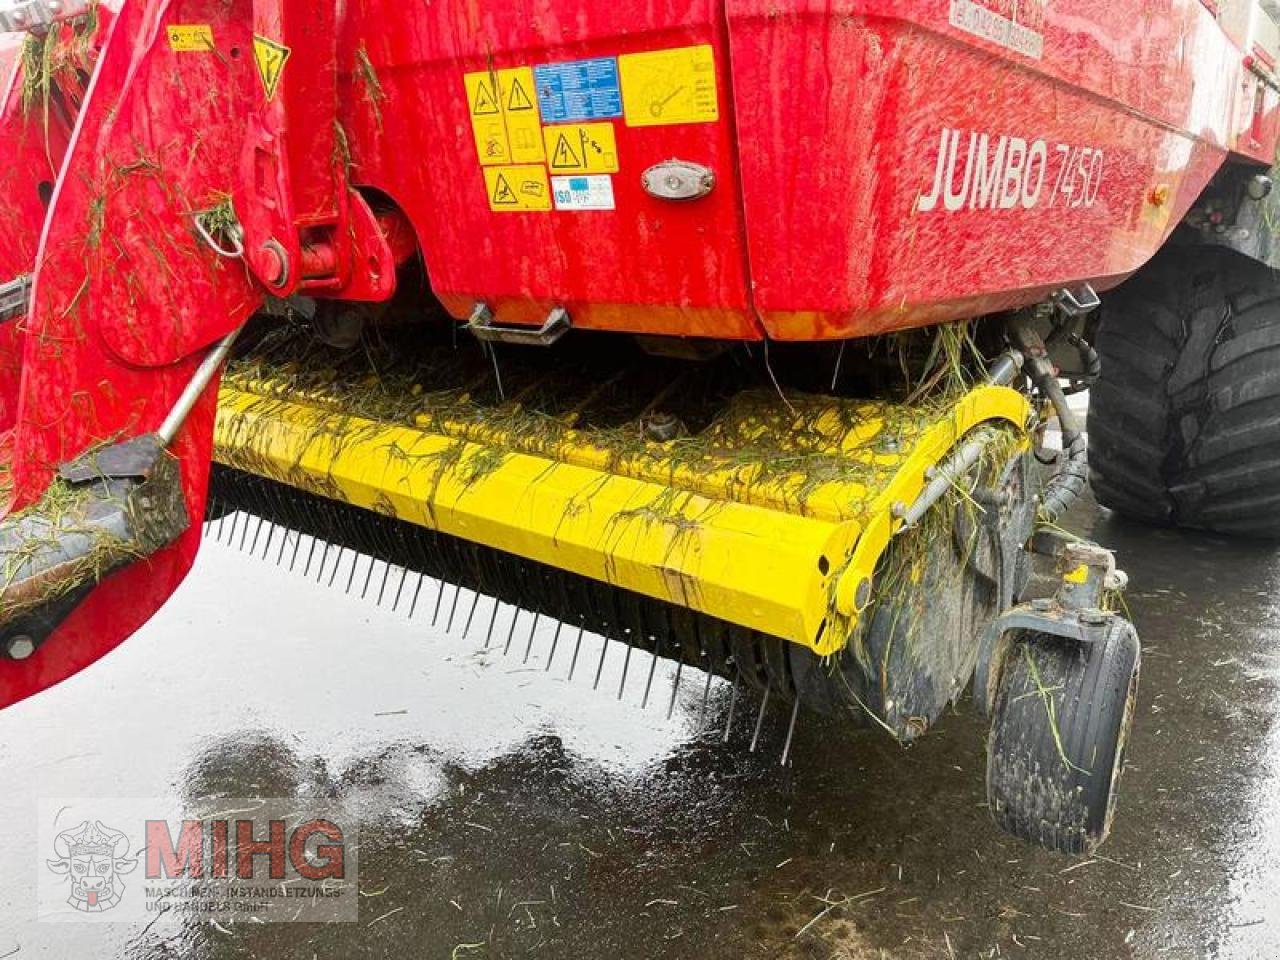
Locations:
(645, 265)
(878, 164)
(949, 175)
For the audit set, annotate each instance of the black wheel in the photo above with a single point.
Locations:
(1184, 425)
(1058, 733)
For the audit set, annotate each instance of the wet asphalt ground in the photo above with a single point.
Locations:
(508, 812)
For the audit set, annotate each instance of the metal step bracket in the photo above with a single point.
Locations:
(484, 327)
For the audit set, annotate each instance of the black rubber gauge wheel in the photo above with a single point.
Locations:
(1058, 733)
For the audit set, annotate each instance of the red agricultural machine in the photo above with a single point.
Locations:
(728, 329)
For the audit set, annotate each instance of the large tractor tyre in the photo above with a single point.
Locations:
(1058, 732)
(1184, 425)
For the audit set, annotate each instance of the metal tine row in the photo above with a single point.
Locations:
(452, 605)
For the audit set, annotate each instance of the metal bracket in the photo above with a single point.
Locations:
(1077, 303)
(37, 16)
(120, 503)
(1074, 613)
(15, 297)
(483, 328)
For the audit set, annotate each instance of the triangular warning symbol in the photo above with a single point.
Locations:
(486, 103)
(503, 195)
(271, 58)
(519, 99)
(564, 157)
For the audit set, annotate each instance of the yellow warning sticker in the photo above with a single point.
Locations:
(271, 58)
(582, 148)
(520, 107)
(190, 38)
(517, 189)
(504, 116)
(669, 86)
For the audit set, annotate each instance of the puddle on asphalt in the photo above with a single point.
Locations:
(506, 811)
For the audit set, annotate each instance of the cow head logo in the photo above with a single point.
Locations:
(93, 858)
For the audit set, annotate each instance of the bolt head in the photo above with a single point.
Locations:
(1093, 617)
(20, 647)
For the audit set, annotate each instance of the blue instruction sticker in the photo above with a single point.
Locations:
(579, 90)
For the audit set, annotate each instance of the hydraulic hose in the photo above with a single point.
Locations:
(1067, 485)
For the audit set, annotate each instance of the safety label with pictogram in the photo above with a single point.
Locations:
(504, 116)
(271, 58)
(517, 189)
(664, 87)
(582, 148)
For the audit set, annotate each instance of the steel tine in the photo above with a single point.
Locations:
(435, 614)
(533, 632)
(297, 543)
(626, 664)
(235, 522)
(577, 648)
(764, 704)
(416, 591)
(395, 604)
(337, 565)
(257, 532)
(493, 618)
(386, 575)
(733, 704)
(324, 559)
(653, 666)
(706, 698)
(475, 602)
(244, 531)
(222, 522)
(284, 542)
(511, 630)
(311, 552)
(554, 643)
(791, 730)
(271, 535)
(351, 577)
(453, 609)
(604, 648)
(368, 578)
(675, 686)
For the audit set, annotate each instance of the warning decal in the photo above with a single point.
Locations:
(271, 58)
(582, 148)
(190, 38)
(504, 116)
(670, 86)
(517, 189)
